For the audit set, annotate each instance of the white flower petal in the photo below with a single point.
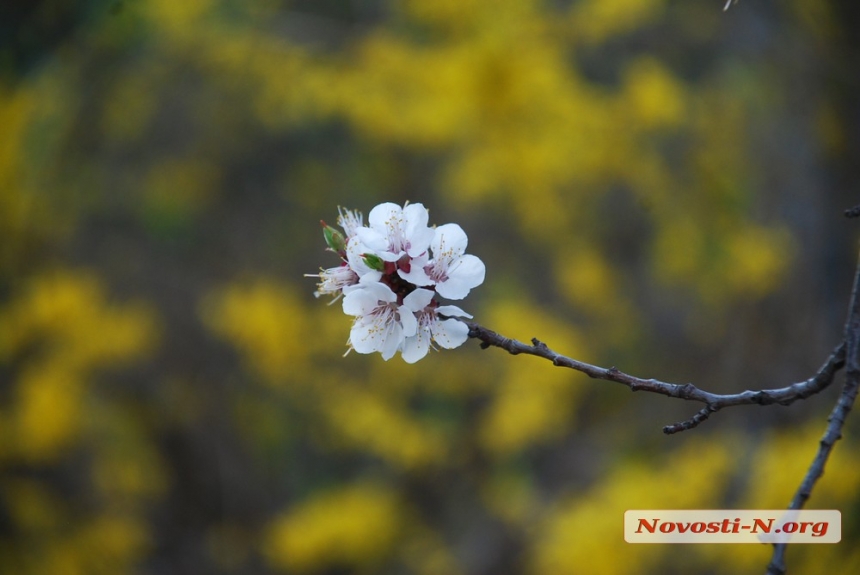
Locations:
(379, 331)
(415, 217)
(385, 236)
(408, 321)
(468, 268)
(419, 241)
(449, 333)
(416, 234)
(370, 277)
(452, 311)
(354, 250)
(359, 302)
(366, 335)
(381, 215)
(391, 341)
(416, 275)
(372, 239)
(464, 273)
(453, 289)
(449, 241)
(416, 347)
(418, 299)
(381, 291)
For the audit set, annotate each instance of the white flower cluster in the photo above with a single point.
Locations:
(390, 272)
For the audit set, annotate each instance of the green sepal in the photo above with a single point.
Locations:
(374, 262)
(333, 238)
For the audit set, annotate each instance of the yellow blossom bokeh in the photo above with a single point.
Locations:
(644, 180)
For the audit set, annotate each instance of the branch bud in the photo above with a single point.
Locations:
(333, 238)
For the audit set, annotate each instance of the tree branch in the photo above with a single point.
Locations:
(835, 422)
(713, 402)
(846, 354)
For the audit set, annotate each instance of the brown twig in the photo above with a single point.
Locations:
(835, 422)
(713, 402)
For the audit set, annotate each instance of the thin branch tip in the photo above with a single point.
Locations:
(688, 391)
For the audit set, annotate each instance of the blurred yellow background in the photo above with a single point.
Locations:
(652, 184)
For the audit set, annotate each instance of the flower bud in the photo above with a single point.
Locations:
(333, 238)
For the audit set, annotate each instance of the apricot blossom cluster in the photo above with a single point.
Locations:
(392, 271)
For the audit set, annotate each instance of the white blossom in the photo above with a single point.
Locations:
(334, 280)
(448, 333)
(395, 232)
(391, 271)
(381, 323)
(453, 272)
